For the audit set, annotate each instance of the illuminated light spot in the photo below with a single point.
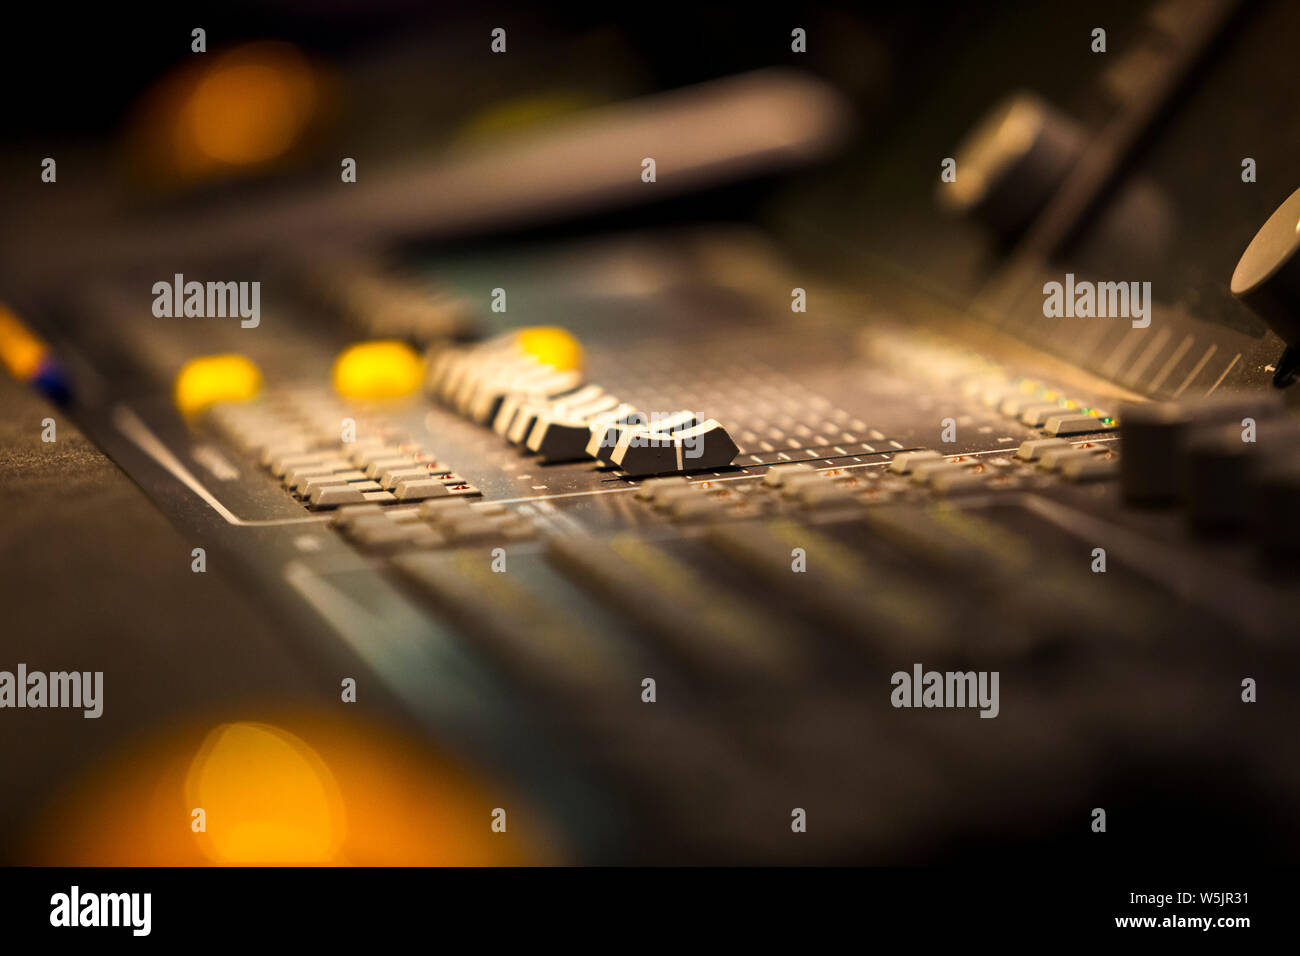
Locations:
(202, 382)
(251, 106)
(378, 370)
(405, 802)
(20, 350)
(231, 113)
(551, 345)
(267, 796)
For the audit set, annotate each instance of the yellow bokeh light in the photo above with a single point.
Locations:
(202, 382)
(287, 787)
(551, 345)
(21, 351)
(382, 369)
(266, 796)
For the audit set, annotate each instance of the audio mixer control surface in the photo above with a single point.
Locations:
(768, 530)
(887, 454)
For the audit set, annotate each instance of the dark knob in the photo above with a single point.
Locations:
(1267, 279)
(1153, 436)
(1012, 162)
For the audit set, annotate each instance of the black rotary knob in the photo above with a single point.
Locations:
(1012, 162)
(1267, 279)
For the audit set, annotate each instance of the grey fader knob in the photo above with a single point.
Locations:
(1012, 162)
(1267, 279)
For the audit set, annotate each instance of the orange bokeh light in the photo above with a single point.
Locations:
(309, 788)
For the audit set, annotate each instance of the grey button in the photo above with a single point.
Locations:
(825, 493)
(958, 482)
(363, 455)
(647, 490)
(926, 471)
(437, 510)
(418, 489)
(382, 534)
(389, 479)
(1095, 468)
(1035, 415)
(305, 487)
(778, 475)
(301, 472)
(666, 497)
(332, 496)
(281, 463)
(351, 514)
(1073, 423)
(904, 462)
(380, 465)
(1055, 458)
(1034, 448)
(697, 505)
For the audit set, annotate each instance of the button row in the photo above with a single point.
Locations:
(1034, 404)
(297, 438)
(549, 412)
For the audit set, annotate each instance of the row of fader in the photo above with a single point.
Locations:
(296, 436)
(528, 385)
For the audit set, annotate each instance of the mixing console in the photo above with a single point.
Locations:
(754, 506)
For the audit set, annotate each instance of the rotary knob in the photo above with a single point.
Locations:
(1012, 162)
(1267, 279)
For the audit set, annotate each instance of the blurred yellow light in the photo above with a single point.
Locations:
(387, 368)
(551, 345)
(267, 797)
(300, 786)
(202, 382)
(20, 350)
